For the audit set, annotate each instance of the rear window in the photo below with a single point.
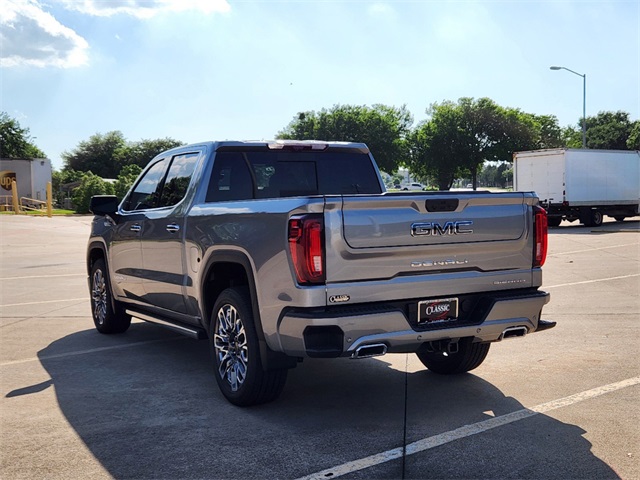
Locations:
(242, 175)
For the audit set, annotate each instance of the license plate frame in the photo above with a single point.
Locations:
(437, 310)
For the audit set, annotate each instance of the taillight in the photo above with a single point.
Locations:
(306, 244)
(540, 227)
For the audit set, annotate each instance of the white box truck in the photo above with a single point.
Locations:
(581, 184)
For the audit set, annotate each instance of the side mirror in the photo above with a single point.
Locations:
(104, 205)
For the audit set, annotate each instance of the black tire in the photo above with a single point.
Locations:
(596, 218)
(619, 218)
(469, 356)
(235, 352)
(554, 221)
(106, 318)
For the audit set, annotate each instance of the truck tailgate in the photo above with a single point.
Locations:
(402, 234)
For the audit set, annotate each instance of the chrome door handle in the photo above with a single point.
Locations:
(173, 227)
(135, 227)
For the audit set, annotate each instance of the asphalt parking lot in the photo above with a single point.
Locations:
(562, 404)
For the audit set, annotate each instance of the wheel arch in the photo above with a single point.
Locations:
(96, 250)
(233, 268)
(224, 269)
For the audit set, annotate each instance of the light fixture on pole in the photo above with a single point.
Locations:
(584, 101)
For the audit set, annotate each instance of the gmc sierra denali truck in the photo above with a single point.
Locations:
(277, 251)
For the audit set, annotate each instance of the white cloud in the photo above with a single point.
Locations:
(144, 8)
(31, 36)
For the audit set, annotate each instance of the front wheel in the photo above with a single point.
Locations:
(235, 352)
(468, 356)
(106, 318)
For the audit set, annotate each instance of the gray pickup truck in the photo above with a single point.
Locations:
(277, 251)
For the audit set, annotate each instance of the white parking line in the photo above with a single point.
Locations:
(45, 301)
(595, 249)
(591, 281)
(468, 430)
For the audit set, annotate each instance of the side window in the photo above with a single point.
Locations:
(263, 173)
(292, 179)
(178, 178)
(230, 179)
(278, 178)
(356, 174)
(146, 193)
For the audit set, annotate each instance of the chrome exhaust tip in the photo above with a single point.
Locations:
(368, 351)
(513, 332)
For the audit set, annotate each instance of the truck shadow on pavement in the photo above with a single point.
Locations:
(152, 409)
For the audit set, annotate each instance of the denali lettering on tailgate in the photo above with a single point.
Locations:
(435, 228)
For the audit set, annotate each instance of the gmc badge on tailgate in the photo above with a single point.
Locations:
(435, 228)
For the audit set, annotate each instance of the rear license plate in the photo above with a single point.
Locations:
(437, 311)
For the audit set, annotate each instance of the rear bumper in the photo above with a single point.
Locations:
(340, 332)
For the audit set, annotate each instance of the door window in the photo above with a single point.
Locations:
(161, 188)
(146, 193)
(178, 178)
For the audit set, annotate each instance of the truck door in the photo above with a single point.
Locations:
(162, 240)
(126, 255)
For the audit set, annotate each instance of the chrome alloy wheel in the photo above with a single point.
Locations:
(232, 350)
(99, 296)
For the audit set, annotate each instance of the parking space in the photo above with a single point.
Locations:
(75, 404)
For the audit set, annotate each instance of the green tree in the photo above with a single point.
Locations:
(572, 136)
(59, 179)
(381, 127)
(507, 174)
(633, 142)
(548, 132)
(125, 180)
(493, 175)
(96, 155)
(141, 152)
(459, 137)
(493, 133)
(15, 141)
(609, 130)
(90, 185)
(434, 146)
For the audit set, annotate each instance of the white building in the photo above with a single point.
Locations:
(31, 176)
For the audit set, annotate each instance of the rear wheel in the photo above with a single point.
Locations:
(106, 318)
(468, 356)
(235, 352)
(596, 218)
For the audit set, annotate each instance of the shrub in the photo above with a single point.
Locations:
(90, 185)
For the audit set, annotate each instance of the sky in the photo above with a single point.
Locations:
(196, 70)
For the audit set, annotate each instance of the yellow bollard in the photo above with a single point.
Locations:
(49, 201)
(14, 195)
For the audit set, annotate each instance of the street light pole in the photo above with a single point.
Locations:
(584, 101)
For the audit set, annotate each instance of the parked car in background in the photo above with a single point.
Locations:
(413, 187)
